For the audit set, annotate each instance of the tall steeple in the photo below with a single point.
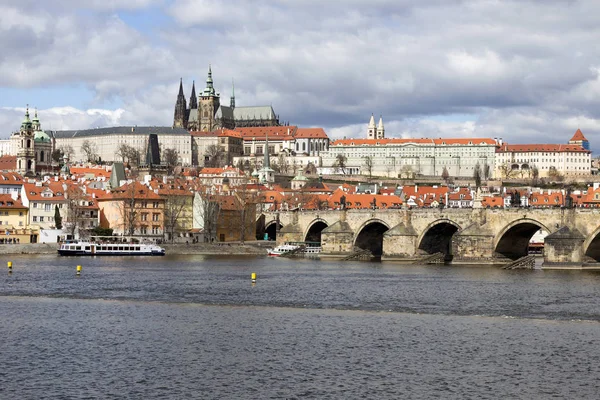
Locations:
(267, 160)
(371, 130)
(193, 98)
(180, 108)
(380, 129)
(232, 99)
(209, 90)
(36, 122)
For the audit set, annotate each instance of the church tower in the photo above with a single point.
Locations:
(380, 129)
(209, 104)
(25, 149)
(179, 120)
(371, 130)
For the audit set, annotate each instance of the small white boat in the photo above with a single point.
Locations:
(284, 248)
(87, 248)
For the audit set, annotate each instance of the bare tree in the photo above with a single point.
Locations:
(170, 157)
(445, 175)
(89, 148)
(283, 162)
(207, 208)
(477, 176)
(507, 170)
(368, 162)
(67, 150)
(74, 215)
(214, 156)
(177, 201)
(340, 163)
(57, 155)
(486, 171)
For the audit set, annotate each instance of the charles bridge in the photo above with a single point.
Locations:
(465, 236)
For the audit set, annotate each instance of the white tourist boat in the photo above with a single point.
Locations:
(305, 248)
(90, 248)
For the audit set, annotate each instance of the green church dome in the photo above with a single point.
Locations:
(41, 136)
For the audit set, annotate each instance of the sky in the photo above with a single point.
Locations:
(527, 71)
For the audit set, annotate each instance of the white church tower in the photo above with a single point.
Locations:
(371, 130)
(380, 129)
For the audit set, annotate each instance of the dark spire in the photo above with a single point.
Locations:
(232, 99)
(180, 109)
(193, 98)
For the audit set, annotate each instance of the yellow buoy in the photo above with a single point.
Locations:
(10, 265)
(253, 277)
(79, 270)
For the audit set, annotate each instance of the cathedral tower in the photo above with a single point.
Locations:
(193, 99)
(232, 99)
(179, 120)
(209, 104)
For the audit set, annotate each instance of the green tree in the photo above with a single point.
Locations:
(57, 217)
(477, 176)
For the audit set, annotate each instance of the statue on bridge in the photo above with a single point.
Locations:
(568, 199)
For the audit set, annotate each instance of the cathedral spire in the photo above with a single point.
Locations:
(180, 108)
(193, 98)
(180, 87)
(267, 161)
(232, 99)
(209, 90)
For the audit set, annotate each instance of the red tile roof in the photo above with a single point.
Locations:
(554, 148)
(8, 203)
(311, 133)
(390, 141)
(578, 136)
(8, 163)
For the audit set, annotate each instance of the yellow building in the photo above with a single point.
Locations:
(13, 221)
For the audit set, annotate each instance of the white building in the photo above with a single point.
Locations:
(106, 141)
(519, 160)
(410, 157)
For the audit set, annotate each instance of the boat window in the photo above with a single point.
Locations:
(120, 247)
(87, 247)
(78, 248)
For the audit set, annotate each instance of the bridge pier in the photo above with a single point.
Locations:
(337, 239)
(473, 245)
(563, 249)
(400, 243)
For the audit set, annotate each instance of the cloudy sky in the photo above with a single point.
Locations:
(527, 71)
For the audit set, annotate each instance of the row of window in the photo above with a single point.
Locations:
(7, 223)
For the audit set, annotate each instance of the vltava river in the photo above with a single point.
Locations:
(194, 327)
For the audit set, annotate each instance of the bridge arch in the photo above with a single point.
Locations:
(271, 229)
(370, 236)
(314, 229)
(591, 245)
(513, 240)
(437, 237)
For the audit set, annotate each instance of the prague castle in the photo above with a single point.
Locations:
(206, 113)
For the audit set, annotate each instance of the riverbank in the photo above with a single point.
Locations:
(250, 248)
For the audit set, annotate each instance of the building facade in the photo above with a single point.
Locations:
(550, 160)
(409, 157)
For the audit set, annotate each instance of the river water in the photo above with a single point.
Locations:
(194, 327)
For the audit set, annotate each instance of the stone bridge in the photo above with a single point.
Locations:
(465, 236)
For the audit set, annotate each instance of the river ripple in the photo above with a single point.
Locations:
(194, 327)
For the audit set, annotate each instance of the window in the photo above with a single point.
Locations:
(41, 219)
(34, 205)
(20, 213)
(155, 204)
(144, 216)
(144, 230)
(47, 207)
(155, 230)
(155, 217)
(34, 218)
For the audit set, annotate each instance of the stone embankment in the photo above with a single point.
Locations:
(251, 248)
